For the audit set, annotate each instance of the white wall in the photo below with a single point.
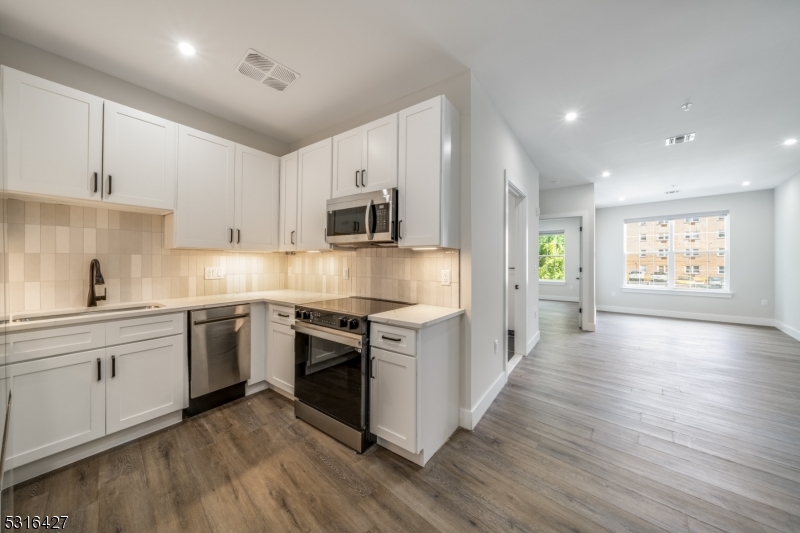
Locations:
(27, 58)
(495, 149)
(787, 257)
(574, 200)
(567, 291)
(752, 260)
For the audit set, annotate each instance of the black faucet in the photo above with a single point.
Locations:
(95, 278)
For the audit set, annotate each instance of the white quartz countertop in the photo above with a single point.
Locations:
(416, 316)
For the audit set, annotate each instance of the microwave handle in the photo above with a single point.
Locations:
(368, 219)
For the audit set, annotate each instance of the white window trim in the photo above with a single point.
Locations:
(724, 292)
(554, 281)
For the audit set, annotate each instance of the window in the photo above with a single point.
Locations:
(689, 253)
(551, 256)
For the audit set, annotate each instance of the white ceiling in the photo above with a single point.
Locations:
(626, 66)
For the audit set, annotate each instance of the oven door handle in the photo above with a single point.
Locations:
(349, 339)
(368, 219)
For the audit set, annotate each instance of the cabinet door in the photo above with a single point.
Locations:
(280, 357)
(420, 174)
(347, 163)
(57, 403)
(140, 158)
(256, 200)
(379, 140)
(205, 203)
(288, 208)
(393, 398)
(54, 137)
(144, 380)
(313, 192)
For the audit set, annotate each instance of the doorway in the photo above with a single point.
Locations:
(561, 257)
(516, 279)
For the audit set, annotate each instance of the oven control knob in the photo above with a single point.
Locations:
(298, 314)
(306, 315)
(354, 323)
(343, 322)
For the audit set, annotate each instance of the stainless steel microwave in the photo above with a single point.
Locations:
(361, 220)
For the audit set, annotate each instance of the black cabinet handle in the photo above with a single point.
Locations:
(113, 366)
(390, 338)
(99, 377)
(95, 182)
(238, 236)
(283, 315)
(399, 229)
(362, 177)
(371, 366)
(292, 237)
(109, 184)
(357, 178)
(230, 236)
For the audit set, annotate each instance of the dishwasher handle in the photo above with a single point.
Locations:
(220, 319)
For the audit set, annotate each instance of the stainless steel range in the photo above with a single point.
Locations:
(331, 366)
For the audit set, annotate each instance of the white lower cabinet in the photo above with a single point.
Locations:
(144, 380)
(280, 357)
(57, 403)
(393, 399)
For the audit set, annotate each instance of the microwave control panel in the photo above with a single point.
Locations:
(382, 218)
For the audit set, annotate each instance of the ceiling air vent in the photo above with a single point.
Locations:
(680, 139)
(673, 191)
(264, 70)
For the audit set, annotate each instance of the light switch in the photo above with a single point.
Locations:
(495, 346)
(346, 273)
(214, 273)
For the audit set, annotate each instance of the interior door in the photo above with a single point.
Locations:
(347, 163)
(313, 191)
(379, 140)
(54, 137)
(393, 398)
(57, 403)
(288, 208)
(580, 277)
(204, 214)
(144, 380)
(139, 158)
(257, 191)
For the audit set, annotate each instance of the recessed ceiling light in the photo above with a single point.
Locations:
(186, 49)
(790, 142)
(572, 115)
(606, 174)
(621, 198)
(687, 106)
(746, 183)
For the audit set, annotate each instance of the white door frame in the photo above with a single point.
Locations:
(521, 267)
(584, 289)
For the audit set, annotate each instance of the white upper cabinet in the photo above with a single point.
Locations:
(365, 159)
(139, 158)
(313, 192)
(54, 138)
(204, 211)
(256, 200)
(288, 207)
(429, 175)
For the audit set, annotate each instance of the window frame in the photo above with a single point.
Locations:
(554, 281)
(673, 251)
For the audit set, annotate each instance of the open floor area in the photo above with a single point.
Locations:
(647, 425)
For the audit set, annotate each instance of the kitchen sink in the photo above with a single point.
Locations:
(86, 312)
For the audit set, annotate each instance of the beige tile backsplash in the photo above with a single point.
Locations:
(49, 246)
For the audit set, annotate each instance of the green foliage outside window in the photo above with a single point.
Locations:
(551, 257)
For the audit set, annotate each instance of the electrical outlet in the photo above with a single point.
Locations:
(346, 273)
(495, 346)
(445, 277)
(214, 273)
(764, 303)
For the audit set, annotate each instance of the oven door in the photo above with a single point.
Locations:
(331, 373)
(362, 219)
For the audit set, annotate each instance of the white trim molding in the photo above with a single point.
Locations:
(532, 342)
(731, 319)
(679, 292)
(792, 332)
(468, 418)
(551, 281)
(558, 298)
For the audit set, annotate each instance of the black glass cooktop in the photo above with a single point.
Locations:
(356, 306)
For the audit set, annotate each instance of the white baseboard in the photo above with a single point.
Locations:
(512, 364)
(792, 332)
(558, 298)
(66, 457)
(532, 342)
(731, 319)
(469, 418)
(588, 326)
(255, 387)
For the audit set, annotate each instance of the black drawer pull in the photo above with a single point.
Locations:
(113, 366)
(390, 338)
(282, 315)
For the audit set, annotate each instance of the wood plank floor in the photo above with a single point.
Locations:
(647, 425)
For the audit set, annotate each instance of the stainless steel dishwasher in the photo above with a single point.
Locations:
(219, 356)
